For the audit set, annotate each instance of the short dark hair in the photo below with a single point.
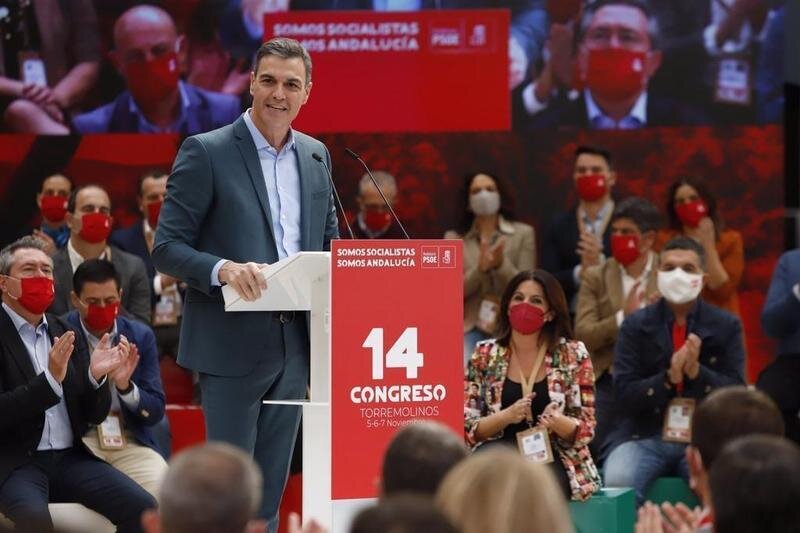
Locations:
(641, 212)
(594, 150)
(732, 412)
(506, 199)
(74, 194)
(284, 48)
(560, 326)
(653, 29)
(419, 457)
(94, 271)
(755, 485)
(7, 253)
(705, 194)
(403, 513)
(686, 243)
(152, 173)
(57, 175)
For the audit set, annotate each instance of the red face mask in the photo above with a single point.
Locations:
(154, 80)
(526, 318)
(376, 220)
(37, 294)
(625, 248)
(54, 208)
(691, 213)
(615, 73)
(153, 210)
(101, 318)
(95, 227)
(591, 187)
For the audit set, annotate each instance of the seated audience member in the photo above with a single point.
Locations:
(402, 513)
(692, 212)
(419, 457)
(137, 397)
(137, 239)
(51, 59)
(501, 492)
(51, 388)
(374, 221)
(52, 201)
(780, 319)
(617, 55)
(727, 413)
(213, 488)
(89, 220)
(755, 486)
(668, 356)
(580, 238)
(611, 291)
(148, 53)
(543, 379)
(496, 248)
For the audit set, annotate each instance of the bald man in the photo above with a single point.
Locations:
(148, 53)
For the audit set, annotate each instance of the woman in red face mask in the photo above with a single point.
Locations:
(545, 383)
(496, 247)
(692, 211)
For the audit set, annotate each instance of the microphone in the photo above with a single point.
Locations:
(375, 183)
(318, 157)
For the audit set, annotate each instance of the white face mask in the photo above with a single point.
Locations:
(678, 286)
(485, 203)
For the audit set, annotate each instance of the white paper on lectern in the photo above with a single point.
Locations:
(288, 284)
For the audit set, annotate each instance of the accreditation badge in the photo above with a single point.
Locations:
(166, 311)
(733, 80)
(31, 68)
(487, 314)
(534, 445)
(678, 420)
(109, 433)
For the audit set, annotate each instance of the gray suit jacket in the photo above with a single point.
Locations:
(133, 282)
(217, 208)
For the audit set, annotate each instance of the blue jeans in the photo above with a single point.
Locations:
(637, 463)
(471, 338)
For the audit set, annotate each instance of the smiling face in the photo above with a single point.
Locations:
(279, 90)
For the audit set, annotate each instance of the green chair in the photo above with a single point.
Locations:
(607, 511)
(672, 490)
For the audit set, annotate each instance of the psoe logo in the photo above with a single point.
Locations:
(430, 257)
(446, 38)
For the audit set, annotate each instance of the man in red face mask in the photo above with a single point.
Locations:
(52, 388)
(89, 220)
(616, 57)
(52, 202)
(137, 397)
(148, 53)
(618, 287)
(579, 238)
(374, 221)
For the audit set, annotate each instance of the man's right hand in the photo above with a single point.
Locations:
(245, 278)
(59, 355)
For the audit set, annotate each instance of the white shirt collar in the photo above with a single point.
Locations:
(647, 268)
(20, 322)
(639, 110)
(77, 259)
(259, 139)
(94, 341)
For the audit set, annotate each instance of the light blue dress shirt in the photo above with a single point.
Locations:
(57, 432)
(282, 178)
(637, 118)
(146, 127)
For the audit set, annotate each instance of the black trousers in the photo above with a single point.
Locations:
(71, 475)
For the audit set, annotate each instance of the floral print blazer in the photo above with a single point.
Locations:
(569, 376)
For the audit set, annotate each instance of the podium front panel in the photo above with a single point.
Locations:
(396, 350)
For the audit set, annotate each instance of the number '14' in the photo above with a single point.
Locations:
(402, 354)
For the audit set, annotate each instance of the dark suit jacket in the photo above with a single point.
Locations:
(780, 317)
(643, 353)
(217, 208)
(133, 277)
(558, 249)
(25, 396)
(131, 240)
(565, 113)
(207, 110)
(147, 377)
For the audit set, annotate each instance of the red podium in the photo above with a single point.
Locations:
(390, 314)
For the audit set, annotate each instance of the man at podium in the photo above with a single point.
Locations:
(239, 197)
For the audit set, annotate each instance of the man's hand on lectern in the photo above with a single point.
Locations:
(245, 278)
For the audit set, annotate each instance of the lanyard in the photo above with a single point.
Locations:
(678, 340)
(527, 384)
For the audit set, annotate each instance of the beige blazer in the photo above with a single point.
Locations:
(599, 298)
(519, 254)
